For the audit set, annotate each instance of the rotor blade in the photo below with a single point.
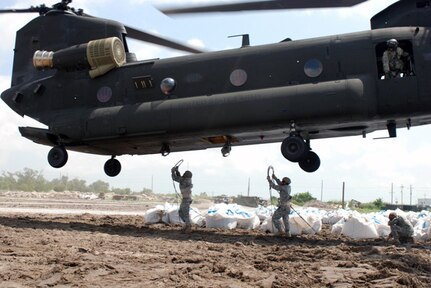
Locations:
(27, 10)
(265, 5)
(147, 37)
(137, 34)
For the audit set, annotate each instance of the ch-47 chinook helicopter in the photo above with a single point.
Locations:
(95, 97)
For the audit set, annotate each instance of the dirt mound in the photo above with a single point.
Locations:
(110, 251)
(318, 204)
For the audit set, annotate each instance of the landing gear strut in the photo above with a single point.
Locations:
(57, 156)
(295, 149)
(225, 150)
(112, 167)
(165, 150)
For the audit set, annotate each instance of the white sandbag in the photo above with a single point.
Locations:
(265, 212)
(220, 216)
(154, 215)
(249, 222)
(267, 225)
(196, 217)
(381, 224)
(337, 228)
(358, 227)
(422, 229)
(170, 214)
(332, 217)
(245, 218)
(308, 224)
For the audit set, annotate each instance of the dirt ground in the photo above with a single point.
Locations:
(95, 243)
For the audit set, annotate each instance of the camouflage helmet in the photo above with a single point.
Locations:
(392, 43)
(187, 174)
(286, 180)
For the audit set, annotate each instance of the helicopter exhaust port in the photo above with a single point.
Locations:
(98, 56)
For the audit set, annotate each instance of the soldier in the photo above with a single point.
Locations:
(401, 230)
(283, 210)
(186, 193)
(393, 64)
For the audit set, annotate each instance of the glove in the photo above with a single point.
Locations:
(268, 178)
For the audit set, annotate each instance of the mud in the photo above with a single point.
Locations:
(93, 250)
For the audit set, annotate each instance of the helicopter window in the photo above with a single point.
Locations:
(104, 94)
(400, 66)
(167, 85)
(313, 68)
(238, 77)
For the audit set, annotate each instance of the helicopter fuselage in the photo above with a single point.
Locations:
(307, 89)
(250, 94)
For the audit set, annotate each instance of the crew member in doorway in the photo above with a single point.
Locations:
(393, 60)
(283, 210)
(186, 193)
(401, 230)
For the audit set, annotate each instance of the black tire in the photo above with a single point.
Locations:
(57, 156)
(112, 167)
(310, 163)
(294, 148)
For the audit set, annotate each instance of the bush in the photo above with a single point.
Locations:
(302, 198)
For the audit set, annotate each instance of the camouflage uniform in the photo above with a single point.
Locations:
(186, 193)
(393, 65)
(283, 209)
(400, 229)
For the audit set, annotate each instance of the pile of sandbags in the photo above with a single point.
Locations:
(302, 220)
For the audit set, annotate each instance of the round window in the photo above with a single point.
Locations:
(313, 68)
(104, 94)
(167, 85)
(238, 77)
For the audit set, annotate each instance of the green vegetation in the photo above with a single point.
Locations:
(302, 198)
(374, 206)
(30, 180)
(297, 199)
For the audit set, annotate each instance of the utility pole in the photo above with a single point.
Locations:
(152, 191)
(392, 193)
(402, 198)
(321, 191)
(342, 197)
(248, 189)
(411, 188)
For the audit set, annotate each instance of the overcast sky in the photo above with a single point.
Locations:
(368, 167)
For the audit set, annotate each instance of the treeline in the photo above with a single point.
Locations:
(32, 180)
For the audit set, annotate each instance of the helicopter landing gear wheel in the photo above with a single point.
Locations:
(112, 167)
(310, 163)
(294, 148)
(57, 156)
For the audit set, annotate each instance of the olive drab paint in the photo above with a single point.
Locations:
(289, 92)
